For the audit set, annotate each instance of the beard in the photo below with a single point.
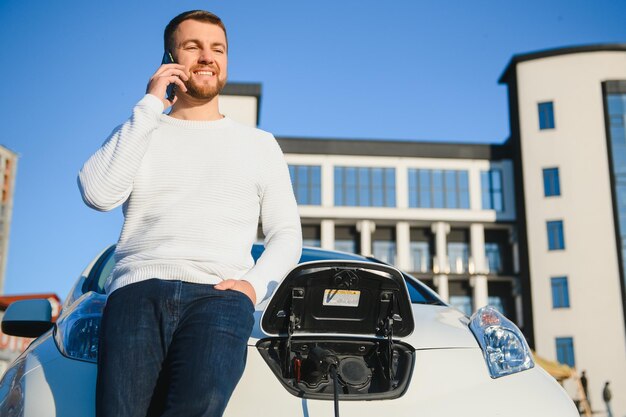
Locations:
(204, 91)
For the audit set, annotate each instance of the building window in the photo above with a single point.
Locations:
(384, 244)
(560, 292)
(311, 235)
(616, 120)
(491, 185)
(494, 257)
(307, 184)
(365, 187)
(458, 257)
(346, 239)
(551, 186)
(420, 257)
(436, 188)
(565, 351)
(546, 115)
(556, 240)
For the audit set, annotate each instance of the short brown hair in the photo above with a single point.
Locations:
(200, 15)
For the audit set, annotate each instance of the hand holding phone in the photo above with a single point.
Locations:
(169, 59)
(167, 76)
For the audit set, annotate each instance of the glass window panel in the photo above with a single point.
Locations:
(556, 239)
(345, 245)
(390, 187)
(450, 186)
(616, 104)
(486, 190)
(425, 193)
(413, 188)
(551, 182)
(560, 292)
(498, 204)
(494, 257)
(339, 188)
(546, 115)
(364, 187)
(420, 257)
(565, 351)
(316, 198)
(496, 179)
(311, 242)
(458, 257)
(438, 199)
(463, 189)
(377, 177)
(316, 175)
(385, 251)
(350, 174)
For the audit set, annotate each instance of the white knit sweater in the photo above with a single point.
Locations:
(192, 193)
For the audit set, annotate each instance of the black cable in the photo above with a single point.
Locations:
(333, 374)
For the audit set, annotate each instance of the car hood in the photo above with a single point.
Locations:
(439, 327)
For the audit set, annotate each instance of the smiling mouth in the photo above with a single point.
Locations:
(210, 73)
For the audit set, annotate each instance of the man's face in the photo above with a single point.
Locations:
(201, 48)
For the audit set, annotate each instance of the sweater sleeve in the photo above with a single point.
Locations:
(106, 179)
(281, 227)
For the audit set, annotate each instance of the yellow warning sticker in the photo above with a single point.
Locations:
(341, 298)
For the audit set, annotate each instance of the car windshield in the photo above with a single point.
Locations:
(419, 293)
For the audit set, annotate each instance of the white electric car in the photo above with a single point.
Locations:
(342, 335)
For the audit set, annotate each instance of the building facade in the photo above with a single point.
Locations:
(535, 226)
(567, 110)
(8, 169)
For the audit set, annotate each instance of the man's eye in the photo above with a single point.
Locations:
(219, 51)
(191, 48)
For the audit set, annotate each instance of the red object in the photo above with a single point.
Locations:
(297, 363)
(54, 299)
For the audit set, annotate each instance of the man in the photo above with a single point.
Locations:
(606, 396)
(193, 184)
(584, 383)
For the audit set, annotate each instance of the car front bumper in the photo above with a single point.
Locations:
(445, 382)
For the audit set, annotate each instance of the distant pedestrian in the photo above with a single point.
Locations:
(584, 382)
(606, 396)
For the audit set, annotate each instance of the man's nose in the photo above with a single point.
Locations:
(206, 57)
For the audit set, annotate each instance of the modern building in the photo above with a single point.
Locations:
(8, 168)
(567, 113)
(535, 226)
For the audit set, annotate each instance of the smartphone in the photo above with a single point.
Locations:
(169, 59)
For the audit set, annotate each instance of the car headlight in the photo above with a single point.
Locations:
(504, 347)
(77, 331)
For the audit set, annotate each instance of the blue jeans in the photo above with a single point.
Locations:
(171, 348)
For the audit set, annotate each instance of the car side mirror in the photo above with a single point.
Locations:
(27, 318)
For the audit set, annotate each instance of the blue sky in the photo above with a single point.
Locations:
(411, 70)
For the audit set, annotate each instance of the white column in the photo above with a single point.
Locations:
(479, 286)
(366, 228)
(478, 263)
(402, 186)
(328, 186)
(441, 282)
(327, 231)
(440, 263)
(403, 243)
(478, 281)
(476, 196)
